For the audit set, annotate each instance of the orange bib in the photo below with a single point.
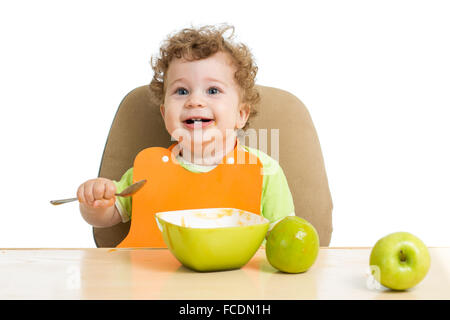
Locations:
(235, 183)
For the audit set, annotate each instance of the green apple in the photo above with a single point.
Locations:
(292, 245)
(402, 258)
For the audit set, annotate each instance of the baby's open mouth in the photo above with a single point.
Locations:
(192, 121)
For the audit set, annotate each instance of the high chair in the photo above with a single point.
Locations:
(138, 124)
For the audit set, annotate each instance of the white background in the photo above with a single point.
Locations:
(375, 76)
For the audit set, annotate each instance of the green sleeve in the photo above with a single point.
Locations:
(123, 204)
(276, 198)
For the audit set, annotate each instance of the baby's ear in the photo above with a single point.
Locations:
(162, 109)
(246, 107)
(244, 113)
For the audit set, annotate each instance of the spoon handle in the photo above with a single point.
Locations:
(56, 202)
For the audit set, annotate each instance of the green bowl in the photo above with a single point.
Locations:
(212, 239)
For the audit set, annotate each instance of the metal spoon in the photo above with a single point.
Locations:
(129, 191)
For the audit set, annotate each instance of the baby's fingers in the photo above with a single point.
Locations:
(110, 190)
(104, 203)
(98, 190)
(80, 194)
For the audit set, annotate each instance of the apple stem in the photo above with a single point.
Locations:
(402, 256)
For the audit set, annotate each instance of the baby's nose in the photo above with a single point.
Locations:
(195, 100)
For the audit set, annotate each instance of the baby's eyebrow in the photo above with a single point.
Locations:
(179, 79)
(207, 79)
(216, 80)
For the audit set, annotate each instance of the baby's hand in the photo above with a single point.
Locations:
(97, 193)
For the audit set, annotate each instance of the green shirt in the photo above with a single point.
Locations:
(276, 197)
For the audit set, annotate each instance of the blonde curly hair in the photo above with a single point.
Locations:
(200, 43)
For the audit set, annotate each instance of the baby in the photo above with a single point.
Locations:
(206, 87)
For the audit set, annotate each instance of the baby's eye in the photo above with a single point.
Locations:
(213, 90)
(181, 91)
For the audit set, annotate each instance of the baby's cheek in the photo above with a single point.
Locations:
(173, 128)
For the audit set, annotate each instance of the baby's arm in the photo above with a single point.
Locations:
(97, 200)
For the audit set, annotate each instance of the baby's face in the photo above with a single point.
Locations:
(203, 89)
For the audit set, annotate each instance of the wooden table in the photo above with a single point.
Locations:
(339, 273)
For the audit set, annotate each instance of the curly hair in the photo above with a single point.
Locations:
(200, 43)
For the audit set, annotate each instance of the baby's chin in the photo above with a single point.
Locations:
(201, 144)
(202, 137)
(205, 152)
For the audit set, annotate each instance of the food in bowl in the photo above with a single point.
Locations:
(212, 239)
